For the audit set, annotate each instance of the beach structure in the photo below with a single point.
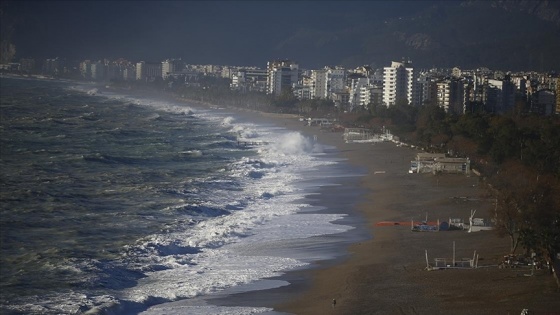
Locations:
(478, 224)
(449, 263)
(319, 122)
(357, 134)
(364, 135)
(457, 223)
(425, 227)
(439, 163)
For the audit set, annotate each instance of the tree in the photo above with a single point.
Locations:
(540, 232)
(528, 210)
(286, 101)
(505, 135)
(510, 187)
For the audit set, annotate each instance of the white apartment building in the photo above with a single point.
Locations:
(336, 78)
(444, 94)
(398, 83)
(359, 92)
(280, 75)
(171, 66)
(319, 84)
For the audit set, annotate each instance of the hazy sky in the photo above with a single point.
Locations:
(218, 32)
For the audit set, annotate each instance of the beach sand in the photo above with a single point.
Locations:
(387, 274)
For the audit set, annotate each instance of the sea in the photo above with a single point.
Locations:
(114, 202)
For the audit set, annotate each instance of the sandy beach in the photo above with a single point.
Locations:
(387, 273)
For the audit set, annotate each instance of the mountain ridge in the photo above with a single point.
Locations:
(507, 35)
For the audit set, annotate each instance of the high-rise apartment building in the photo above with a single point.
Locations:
(398, 83)
(451, 96)
(170, 66)
(319, 84)
(148, 70)
(499, 95)
(281, 74)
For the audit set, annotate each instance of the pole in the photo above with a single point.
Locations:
(476, 266)
(453, 253)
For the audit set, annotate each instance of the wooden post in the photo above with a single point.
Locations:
(453, 253)
(476, 266)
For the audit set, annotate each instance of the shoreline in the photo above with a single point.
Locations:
(386, 274)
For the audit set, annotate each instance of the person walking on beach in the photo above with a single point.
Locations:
(333, 303)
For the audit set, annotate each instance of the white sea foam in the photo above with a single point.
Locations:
(254, 241)
(239, 248)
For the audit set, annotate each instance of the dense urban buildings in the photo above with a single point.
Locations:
(456, 90)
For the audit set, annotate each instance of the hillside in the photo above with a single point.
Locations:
(506, 35)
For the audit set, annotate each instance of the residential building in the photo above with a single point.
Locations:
(249, 79)
(85, 69)
(129, 73)
(281, 75)
(398, 83)
(148, 71)
(426, 90)
(171, 66)
(451, 95)
(376, 95)
(319, 88)
(543, 102)
(336, 77)
(97, 71)
(303, 89)
(456, 72)
(499, 95)
(359, 92)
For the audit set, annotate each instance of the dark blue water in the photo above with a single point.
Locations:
(110, 203)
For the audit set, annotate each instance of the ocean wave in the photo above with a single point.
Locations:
(108, 159)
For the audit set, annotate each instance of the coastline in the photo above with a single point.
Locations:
(387, 273)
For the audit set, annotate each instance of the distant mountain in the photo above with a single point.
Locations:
(505, 35)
